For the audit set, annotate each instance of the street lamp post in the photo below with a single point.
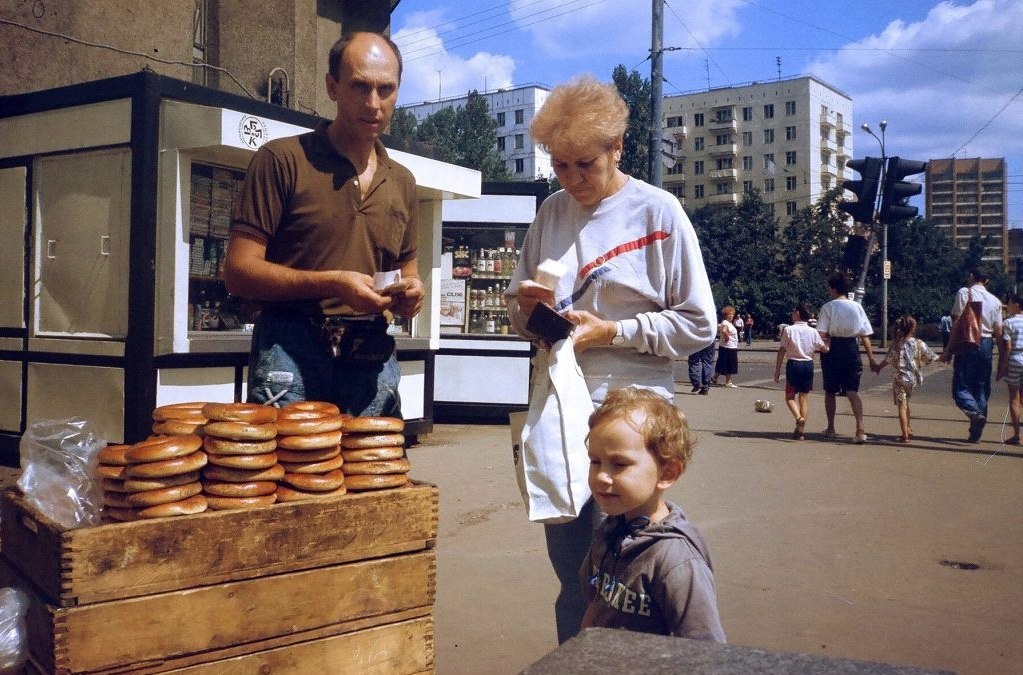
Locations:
(883, 124)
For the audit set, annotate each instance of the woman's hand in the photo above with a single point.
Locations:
(590, 330)
(530, 293)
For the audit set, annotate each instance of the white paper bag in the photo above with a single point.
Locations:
(549, 440)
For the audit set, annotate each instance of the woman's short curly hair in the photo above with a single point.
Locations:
(581, 114)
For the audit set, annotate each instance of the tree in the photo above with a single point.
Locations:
(478, 136)
(636, 151)
(439, 131)
(403, 127)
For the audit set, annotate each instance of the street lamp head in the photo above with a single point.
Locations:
(883, 124)
(865, 127)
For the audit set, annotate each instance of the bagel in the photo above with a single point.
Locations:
(375, 481)
(251, 489)
(319, 455)
(161, 448)
(302, 422)
(309, 441)
(252, 413)
(225, 446)
(225, 474)
(362, 440)
(241, 431)
(225, 503)
(264, 461)
(112, 454)
(372, 424)
(168, 467)
(143, 484)
(117, 500)
(317, 406)
(178, 411)
(176, 427)
(112, 485)
(287, 494)
(185, 507)
(372, 454)
(316, 482)
(120, 514)
(313, 467)
(377, 467)
(110, 471)
(163, 495)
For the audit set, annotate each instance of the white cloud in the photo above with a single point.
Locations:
(430, 68)
(938, 82)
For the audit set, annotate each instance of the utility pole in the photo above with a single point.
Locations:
(656, 100)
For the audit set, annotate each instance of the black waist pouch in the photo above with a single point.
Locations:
(356, 341)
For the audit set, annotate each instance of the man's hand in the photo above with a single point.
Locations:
(407, 303)
(356, 290)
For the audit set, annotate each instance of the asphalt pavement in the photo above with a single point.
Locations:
(908, 554)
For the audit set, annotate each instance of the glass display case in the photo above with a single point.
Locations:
(483, 260)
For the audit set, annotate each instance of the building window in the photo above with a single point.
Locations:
(790, 158)
(790, 183)
(520, 165)
(519, 116)
(768, 185)
(500, 119)
(769, 111)
(698, 120)
(747, 163)
(747, 187)
(790, 133)
(724, 163)
(790, 107)
(698, 191)
(747, 138)
(747, 114)
(769, 162)
(723, 189)
(519, 138)
(698, 143)
(199, 45)
(698, 167)
(675, 121)
(768, 135)
(723, 139)
(790, 208)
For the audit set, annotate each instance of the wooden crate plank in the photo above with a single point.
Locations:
(157, 627)
(122, 560)
(404, 648)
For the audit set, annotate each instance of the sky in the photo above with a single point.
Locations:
(947, 76)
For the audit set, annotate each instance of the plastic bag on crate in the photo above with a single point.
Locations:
(13, 637)
(58, 471)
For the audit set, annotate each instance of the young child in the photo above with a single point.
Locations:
(1010, 362)
(799, 342)
(648, 569)
(908, 355)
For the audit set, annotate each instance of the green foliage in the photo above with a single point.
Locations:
(636, 151)
(403, 127)
(466, 136)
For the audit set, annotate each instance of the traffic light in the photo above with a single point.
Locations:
(896, 192)
(862, 210)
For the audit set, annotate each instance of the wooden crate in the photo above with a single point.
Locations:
(348, 581)
(124, 560)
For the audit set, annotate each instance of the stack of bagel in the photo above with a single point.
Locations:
(177, 419)
(373, 450)
(157, 477)
(240, 439)
(308, 442)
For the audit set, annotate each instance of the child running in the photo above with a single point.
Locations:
(648, 569)
(907, 354)
(1010, 362)
(798, 342)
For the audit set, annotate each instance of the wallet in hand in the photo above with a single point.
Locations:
(548, 324)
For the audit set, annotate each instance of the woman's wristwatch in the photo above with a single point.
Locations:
(619, 338)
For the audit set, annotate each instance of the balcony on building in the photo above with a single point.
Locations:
(724, 198)
(723, 149)
(716, 125)
(723, 174)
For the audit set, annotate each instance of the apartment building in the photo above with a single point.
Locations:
(514, 109)
(967, 197)
(789, 138)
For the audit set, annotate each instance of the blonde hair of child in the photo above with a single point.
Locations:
(664, 428)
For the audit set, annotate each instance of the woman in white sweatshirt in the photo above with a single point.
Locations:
(636, 287)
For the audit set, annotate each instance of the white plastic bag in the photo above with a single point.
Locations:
(551, 463)
(13, 636)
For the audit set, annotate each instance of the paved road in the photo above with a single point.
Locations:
(905, 554)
